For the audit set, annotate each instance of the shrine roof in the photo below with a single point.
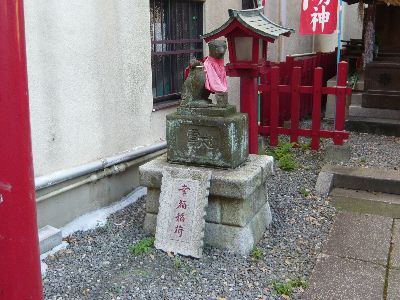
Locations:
(254, 20)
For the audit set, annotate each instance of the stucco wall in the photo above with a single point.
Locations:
(216, 14)
(287, 13)
(351, 28)
(89, 69)
(89, 79)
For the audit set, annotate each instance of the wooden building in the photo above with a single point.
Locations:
(381, 39)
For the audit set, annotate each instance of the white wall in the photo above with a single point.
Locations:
(216, 14)
(89, 69)
(351, 28)
(89, 79)
(287, 13)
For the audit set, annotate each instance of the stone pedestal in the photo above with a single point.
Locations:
(212, 136)
(382, 85)
(331, 102)
(238, 210)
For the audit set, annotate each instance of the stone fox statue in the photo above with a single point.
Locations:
(206, 78)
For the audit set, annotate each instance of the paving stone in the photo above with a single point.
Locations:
(336, 278)
(395, 259)
(180, 220)
(364, 237)
(393, 292)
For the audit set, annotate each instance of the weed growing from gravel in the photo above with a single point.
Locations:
(177, 263)
(286, 288)
(305, 192)
(143, 246)
(306, 147)
(256, 253)
(299, 283)
(283, 154)
(287, 163)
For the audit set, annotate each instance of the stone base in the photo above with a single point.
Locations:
(338, 153)
(214, 136)
(381, 99)
(49, 237)
(331, 102)
(237, 239)
(238, 210)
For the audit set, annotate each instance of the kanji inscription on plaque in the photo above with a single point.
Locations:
(180, 221)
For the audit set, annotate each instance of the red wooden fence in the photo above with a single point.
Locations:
(307, 62)
(298, 99)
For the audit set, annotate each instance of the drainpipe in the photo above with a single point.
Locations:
(20, 276)
(68, 174)
(283, 21)
(114, 170)
(282, 17)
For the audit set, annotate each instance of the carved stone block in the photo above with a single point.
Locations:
(215, 136)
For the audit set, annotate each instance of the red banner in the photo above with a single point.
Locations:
(318, 16)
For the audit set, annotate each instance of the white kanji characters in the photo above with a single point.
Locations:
(326, 2)
(305, 5)
(320, 17)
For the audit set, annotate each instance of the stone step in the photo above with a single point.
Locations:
(359, 111)
(381, 99)
(366, 179)
(356, 99)
(359, 85)
(389, 127)
(358, 201)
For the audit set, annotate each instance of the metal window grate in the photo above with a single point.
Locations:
(176, 27)
(248, 4)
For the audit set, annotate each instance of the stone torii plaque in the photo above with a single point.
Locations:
(180, 221)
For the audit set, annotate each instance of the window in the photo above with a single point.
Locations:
(176, 27)
(249, 4)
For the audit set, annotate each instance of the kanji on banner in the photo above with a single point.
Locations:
(318, 16)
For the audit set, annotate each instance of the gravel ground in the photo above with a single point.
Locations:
(98, 264)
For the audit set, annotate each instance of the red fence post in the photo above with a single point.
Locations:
(316, 113)
(265, 103)
(295, 104)
(273, 139)
(248, 104)
(20, 276)
(340, 101)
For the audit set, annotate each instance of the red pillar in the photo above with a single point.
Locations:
(249, 105)
(20, 276)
